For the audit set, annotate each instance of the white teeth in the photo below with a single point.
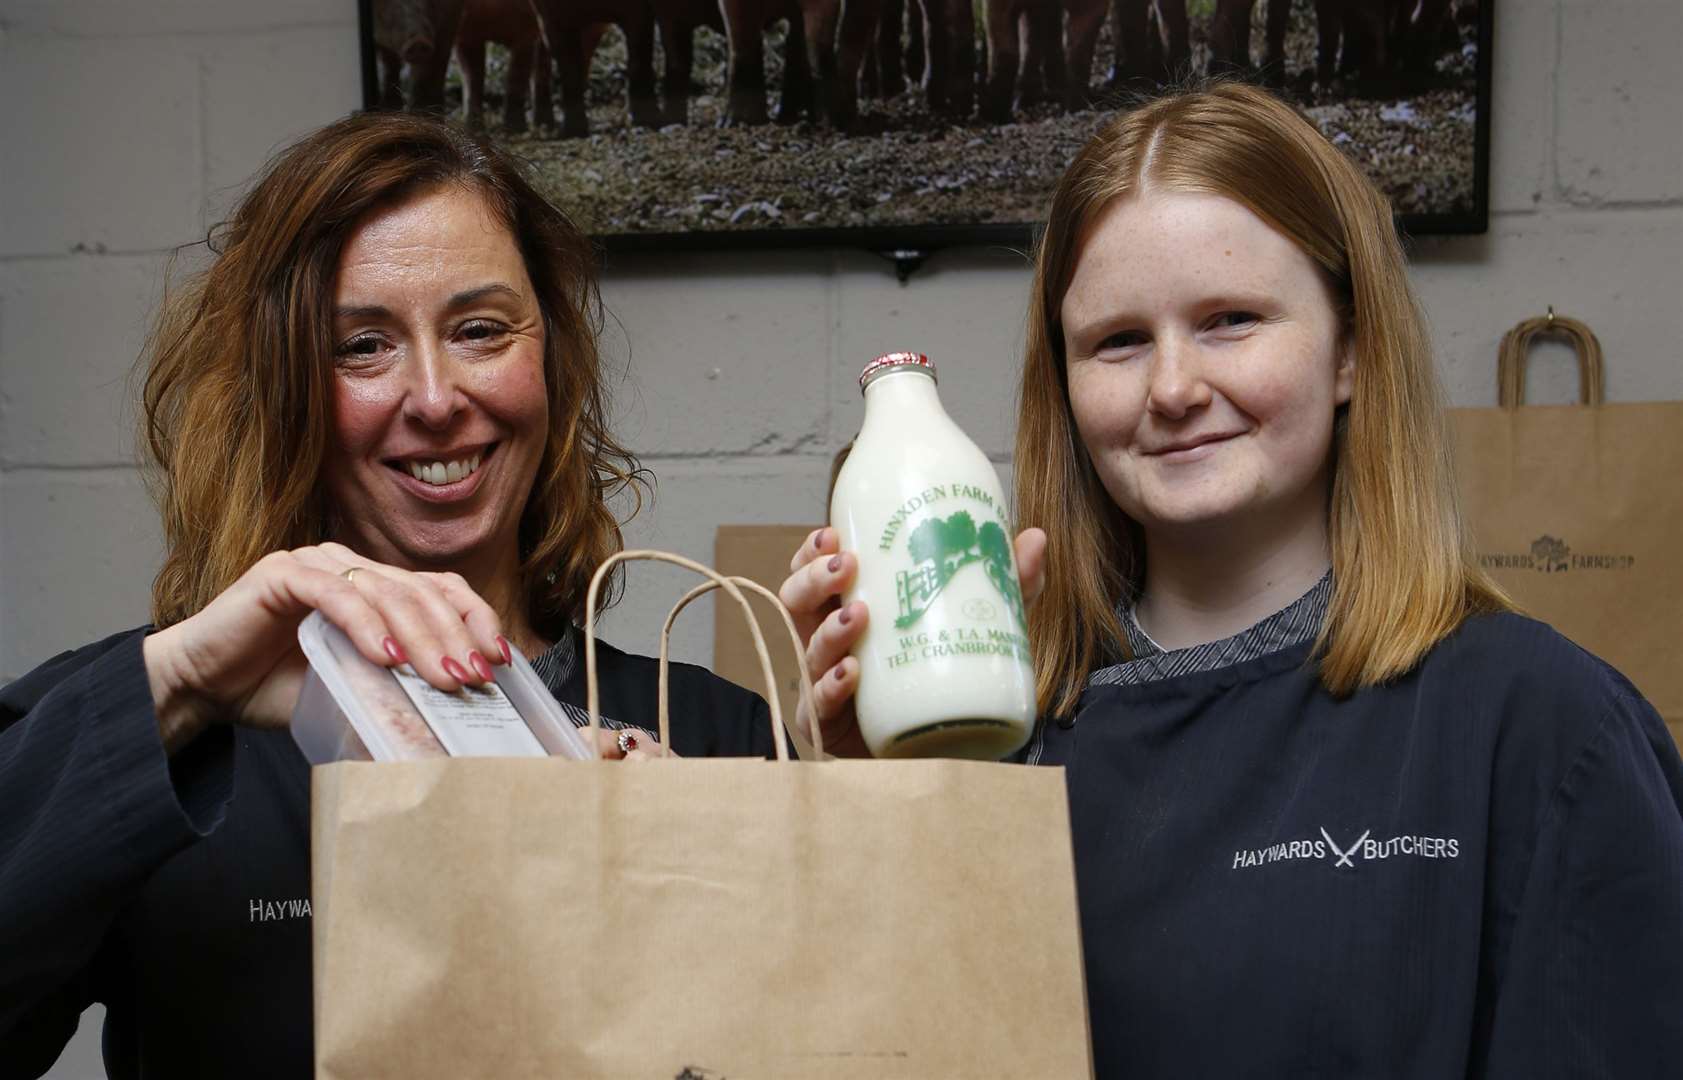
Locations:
(438, 472)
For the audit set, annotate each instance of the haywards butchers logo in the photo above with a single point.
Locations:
(1364, 848)
(261, 910)
(1552, 555)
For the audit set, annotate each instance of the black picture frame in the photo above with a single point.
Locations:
(908, 245)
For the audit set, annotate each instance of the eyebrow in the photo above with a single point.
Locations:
(460, 300)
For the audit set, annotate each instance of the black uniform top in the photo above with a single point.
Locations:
(176, 891)
(1476, 870)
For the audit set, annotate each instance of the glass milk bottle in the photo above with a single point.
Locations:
(944, 663)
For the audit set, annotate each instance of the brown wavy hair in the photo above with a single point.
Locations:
(237, 394)
(1404, 572)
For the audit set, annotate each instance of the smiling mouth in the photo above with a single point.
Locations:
(441, 471)
(1180, 448)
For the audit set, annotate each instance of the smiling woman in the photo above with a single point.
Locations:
(440, 415)
(1336, 809)
(383, 401)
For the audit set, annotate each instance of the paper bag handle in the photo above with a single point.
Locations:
(808, 751)
(592, 697)
(1516, 345)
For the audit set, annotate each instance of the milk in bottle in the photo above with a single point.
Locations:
(945, 669)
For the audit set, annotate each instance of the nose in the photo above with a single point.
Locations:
(1177, 378)
(434, 397)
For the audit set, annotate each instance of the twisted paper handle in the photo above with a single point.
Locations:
(807, 751)
(1516, 345)
(592, 697)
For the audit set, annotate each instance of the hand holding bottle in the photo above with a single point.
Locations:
(820, 572)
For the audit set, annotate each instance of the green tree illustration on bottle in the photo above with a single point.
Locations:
(940, 549)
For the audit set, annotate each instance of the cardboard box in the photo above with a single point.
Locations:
(760, 553)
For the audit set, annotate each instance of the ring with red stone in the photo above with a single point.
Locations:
(627, 742)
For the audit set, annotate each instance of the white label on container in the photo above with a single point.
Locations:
(475, 721)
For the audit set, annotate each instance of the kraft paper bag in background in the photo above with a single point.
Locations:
(1577, 511)
(713, 918)
(760, 553)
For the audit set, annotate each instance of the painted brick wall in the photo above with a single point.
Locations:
(131, 126)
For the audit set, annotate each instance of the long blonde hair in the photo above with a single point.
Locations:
(1404, 573)
(237, 401)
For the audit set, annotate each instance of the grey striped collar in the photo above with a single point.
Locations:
(555, 664)
(1293, 624)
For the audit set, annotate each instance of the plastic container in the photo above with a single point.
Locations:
(352, 710)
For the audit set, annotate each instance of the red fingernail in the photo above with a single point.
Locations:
(456, 671)
(837, 673)
(844, 617)
(835, 563)
(394, 650)
(817, 538)
(480, 665)
(502, 643)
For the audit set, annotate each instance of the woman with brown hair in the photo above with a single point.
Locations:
(382, 401)
(1336, 808)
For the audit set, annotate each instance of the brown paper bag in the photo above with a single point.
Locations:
(702, 918)
(1576, 511)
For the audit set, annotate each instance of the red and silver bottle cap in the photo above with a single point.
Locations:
(893, 361)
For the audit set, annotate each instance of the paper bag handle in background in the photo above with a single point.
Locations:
(1516, 347)
(779, 728)
(806, 751)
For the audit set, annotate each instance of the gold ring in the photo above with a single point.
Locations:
(350, 575)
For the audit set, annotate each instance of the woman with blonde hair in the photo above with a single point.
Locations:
(383, 401)
(1337, 809)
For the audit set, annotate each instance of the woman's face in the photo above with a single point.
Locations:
(1205, 361)
(440, 413)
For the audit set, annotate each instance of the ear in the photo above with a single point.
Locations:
(1344, 376)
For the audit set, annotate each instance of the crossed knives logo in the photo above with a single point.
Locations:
(1344, 853)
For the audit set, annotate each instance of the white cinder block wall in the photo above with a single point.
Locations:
(130, 126)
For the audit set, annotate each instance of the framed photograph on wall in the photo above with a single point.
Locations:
(911, 124)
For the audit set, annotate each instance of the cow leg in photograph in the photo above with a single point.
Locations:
(890, 51)
(1081, 38)
(566, 46)
(515, 88)
(543, 100)
(1230, 36)
(677, 46)
(916, 61)
(637, 22)
(390, 66)
(959, 19)
(799, 96)
(1130, 27)
(859, 20)
(1176, 35)
(934, 51)
(745, 39)
(1003, 57)
(428, 53)
(821, 18)
(1329, 22)
(1041, 37)
(1274, 35)
(1424, 39)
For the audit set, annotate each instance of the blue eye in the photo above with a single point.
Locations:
(1232, 319)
